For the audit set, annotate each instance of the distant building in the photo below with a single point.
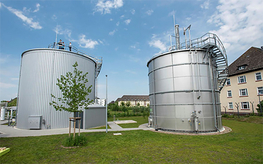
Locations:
(101, 101)
(142, 100)
(244, 86)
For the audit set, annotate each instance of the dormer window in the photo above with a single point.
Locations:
(242, 67)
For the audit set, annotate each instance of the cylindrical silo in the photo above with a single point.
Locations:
(182, 90)
(39, 71)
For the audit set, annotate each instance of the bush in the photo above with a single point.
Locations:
(260, 106)
(228, 115)
(78, 141)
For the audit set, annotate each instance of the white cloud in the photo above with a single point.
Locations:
(111, 19)
(105, 7)
(205, 5)
(133, 11)
(240, 23)
(135, 46)
(60, 31)
(54, 17)
(0, 4)
(172, 13)
(129, 71)
(28, 21)
(149, 12)
(86, 43)
(112, 32)
(14, 79)
(101, 42)
(122, 16)
(3, 59)
(7, 85)
(158, 44)
(37, 8)
(118, 23)
(26, 10)
(128, 21)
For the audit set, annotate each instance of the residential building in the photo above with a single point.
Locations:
(244, 87)
(142, 100)
(100, 101)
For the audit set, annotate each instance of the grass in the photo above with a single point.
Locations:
(100, 127)
(250, 119)
(242, 145)
(140, 120)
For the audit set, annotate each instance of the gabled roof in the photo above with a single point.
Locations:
(134, 98)
(251, 60)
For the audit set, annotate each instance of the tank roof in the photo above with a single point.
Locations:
(98, 62)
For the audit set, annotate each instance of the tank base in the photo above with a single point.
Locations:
(185, 131)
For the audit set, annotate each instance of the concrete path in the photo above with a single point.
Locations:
(9, 131)
(114, 126)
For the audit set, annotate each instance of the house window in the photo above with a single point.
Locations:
(230, 105)
(241, 67)
(260, 90)
(242, 92)
(244, 105)
(242, 79)
(229, 93)
(258, 76)
(228, 82)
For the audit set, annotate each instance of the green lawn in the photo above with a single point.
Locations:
(242, 145)
(100, 127)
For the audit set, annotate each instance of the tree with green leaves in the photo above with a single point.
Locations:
(122, 103)
(128, 104)
(260, 107)
(74, 92)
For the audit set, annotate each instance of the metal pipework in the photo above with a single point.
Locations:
(185, 29)
(195, 121)
(177, 36)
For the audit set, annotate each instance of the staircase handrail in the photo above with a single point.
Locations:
(208, 39)
(76, 50)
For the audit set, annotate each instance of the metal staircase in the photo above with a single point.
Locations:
(212, 44)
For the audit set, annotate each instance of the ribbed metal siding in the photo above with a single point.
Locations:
(40, 69)
(172, 79)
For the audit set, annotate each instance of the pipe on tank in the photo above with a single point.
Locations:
(213, 91)
(2, 114)
(177, 36)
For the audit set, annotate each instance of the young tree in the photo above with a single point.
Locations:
(74, 92)
(260, 107)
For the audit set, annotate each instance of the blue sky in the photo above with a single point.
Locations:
(125, 33)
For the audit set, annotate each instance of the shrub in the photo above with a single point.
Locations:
(78, 141)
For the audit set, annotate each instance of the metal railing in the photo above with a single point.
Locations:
(76, 50)
(205, 41)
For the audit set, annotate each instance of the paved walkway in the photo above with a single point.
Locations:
(9, 131)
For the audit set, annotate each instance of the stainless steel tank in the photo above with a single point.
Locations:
(182, 90)
(39, 71)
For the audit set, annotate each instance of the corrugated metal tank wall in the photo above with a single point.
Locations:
(40, 69)
(172, 78)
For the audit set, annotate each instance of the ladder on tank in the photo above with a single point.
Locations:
(212, 44)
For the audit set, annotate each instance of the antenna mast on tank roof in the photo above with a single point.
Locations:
(176, 34)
